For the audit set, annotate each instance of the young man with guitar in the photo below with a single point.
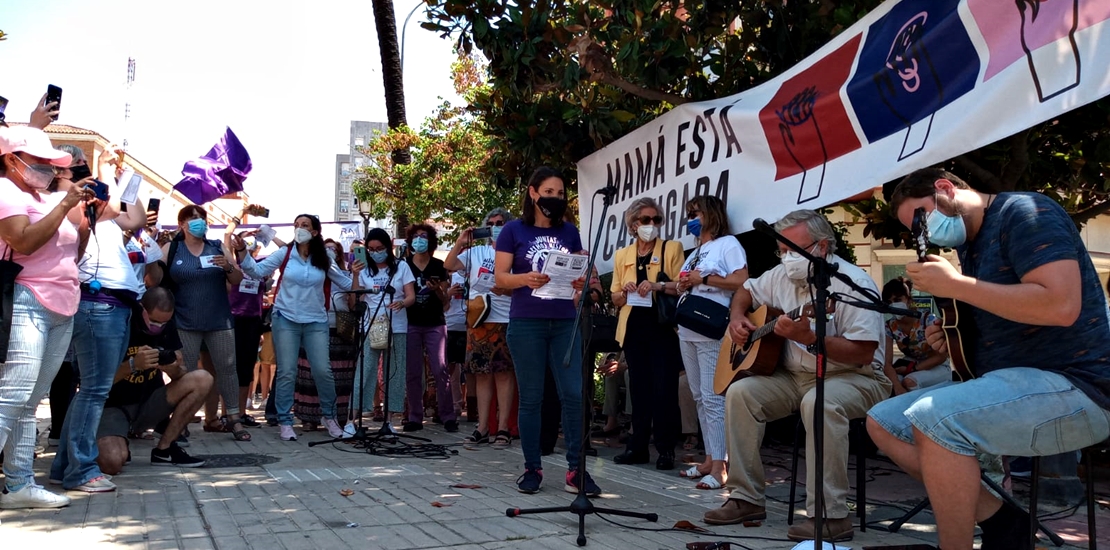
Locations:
(854, 380)
(1040, 355)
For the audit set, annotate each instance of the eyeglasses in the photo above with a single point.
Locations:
(379, 249)
(497, 223)
(425, 235)
(656, 220)
(780, 253)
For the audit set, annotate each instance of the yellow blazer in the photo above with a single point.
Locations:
(624, 271)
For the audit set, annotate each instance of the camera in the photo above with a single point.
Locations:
(166, 357)
(481, 233)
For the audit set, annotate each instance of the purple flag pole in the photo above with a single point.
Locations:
(219, 172)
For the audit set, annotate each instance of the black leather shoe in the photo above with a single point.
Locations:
(631, 457)
(665, 461)
(411, 426)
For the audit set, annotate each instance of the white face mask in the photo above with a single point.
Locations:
(331, 254)
(797, 267)
(302, 235)
(647, 233)
(900, 306)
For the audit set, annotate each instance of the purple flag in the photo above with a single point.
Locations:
(220, 171)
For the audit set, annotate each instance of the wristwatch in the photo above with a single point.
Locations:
(131, 363)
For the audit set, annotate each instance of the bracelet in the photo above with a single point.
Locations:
(236, 220)
(131, 363)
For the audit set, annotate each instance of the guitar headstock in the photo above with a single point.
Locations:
(808, 309)
(920, 231)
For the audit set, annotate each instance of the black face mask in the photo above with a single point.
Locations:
(552, 207)
(80, 172)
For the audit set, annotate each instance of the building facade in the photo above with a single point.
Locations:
(346, 171)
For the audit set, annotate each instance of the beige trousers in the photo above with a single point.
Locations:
(752, 402)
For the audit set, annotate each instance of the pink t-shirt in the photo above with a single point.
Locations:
(51, 272)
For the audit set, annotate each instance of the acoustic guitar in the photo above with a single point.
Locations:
(759, 356)
(956, 319)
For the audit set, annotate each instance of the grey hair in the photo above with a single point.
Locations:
(817, 226)
(74, 151)
(505, 214)
(634, 209)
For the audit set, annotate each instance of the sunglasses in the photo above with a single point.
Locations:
(497, 223)
(656, 220)
(691, 214)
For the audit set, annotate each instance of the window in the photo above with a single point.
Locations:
(360, 162)
(360, 141)
(345, 168)
(344, 206)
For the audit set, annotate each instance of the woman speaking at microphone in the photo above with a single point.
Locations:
(300, 318)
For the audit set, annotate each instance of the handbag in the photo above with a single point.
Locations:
(700, 314)
(665, 304)
(379, 332)
(603, 330)
(477, 310)
(8, 272)
(346, 325)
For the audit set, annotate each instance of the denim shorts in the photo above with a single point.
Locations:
(1016, 411)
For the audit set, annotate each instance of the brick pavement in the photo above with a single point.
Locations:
(294, 502)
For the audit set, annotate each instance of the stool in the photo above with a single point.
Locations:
(855, 427)
(1034, 481)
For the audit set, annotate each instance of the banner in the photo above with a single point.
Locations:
(912, 84)
(222, 170)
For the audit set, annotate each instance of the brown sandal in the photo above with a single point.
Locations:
(215, 426)
(241, 434)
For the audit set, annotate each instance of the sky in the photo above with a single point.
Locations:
(287, 77)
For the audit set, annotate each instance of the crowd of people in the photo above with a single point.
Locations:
(152, 331)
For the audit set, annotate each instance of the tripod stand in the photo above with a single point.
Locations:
(582, 506)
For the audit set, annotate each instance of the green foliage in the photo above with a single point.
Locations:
(444, 181)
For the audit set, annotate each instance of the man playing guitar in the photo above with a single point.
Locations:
(1041, 356)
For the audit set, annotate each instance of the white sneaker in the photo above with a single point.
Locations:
(32, 496)
(287, 433)
(100, 484)
(333, 427)
(349, 430)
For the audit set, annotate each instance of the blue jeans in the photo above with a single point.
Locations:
(289, 337)
(538, 344)
(1014, 412)
(100, 336)
(38, 343)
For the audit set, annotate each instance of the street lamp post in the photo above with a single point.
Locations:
(404, 27)
(364, 211)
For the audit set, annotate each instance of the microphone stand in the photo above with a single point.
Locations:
(582, 506)
(820, 278)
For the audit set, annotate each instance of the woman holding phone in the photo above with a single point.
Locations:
(541, 330)
(428, 330)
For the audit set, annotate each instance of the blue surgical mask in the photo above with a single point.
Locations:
(694, 227)
(379, 257)
(495, 231)
(944, 230)
(198, 228)
(420, 245)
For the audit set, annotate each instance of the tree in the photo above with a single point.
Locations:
(567, 78)
(393, 79)
(443, 180)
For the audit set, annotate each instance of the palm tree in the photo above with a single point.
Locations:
(386, 23)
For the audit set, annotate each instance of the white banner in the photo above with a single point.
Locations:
(912, 84)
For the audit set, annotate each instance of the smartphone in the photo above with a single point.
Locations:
(80, 172)
(360, 254)
(54, 94)
(481, 233)
(100, 189)
(153, 204)
(259, 210)
(3, 106)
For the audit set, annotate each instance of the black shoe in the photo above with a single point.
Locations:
(632, 457)
(665, 461)
(248, 421)
(413, 426)
(271, 421)
(174, 456)
(451, 426)
(590, 451)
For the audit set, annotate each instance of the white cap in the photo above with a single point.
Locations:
(34, 142)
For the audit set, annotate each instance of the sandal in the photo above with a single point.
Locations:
(691, 473)
(691, 443)
(476, 438)
(708, 483)
(215, 426)
(241, 434)
(503, 440)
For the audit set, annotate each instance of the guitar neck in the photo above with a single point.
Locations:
(769, 327)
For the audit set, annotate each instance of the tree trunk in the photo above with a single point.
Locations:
(393, 78)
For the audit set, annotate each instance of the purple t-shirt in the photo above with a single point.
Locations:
(529, 246)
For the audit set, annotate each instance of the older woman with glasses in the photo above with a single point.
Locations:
(717, 268)
(650, 348)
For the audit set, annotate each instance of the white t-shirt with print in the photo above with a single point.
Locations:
(720, 257)
(480, 260)
(455, 314)
(402, 277)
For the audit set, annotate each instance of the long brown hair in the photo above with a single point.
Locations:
(714, 219)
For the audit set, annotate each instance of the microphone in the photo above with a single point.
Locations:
(608, 191)
(362, 291)
(763, 227)
(90, 213)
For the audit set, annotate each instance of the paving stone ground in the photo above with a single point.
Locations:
(290, 498)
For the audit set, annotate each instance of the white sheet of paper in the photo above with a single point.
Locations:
(635, 300)
(563, 269)
(484, 284)
(206, 261)
(265, 234)
(130, 182)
